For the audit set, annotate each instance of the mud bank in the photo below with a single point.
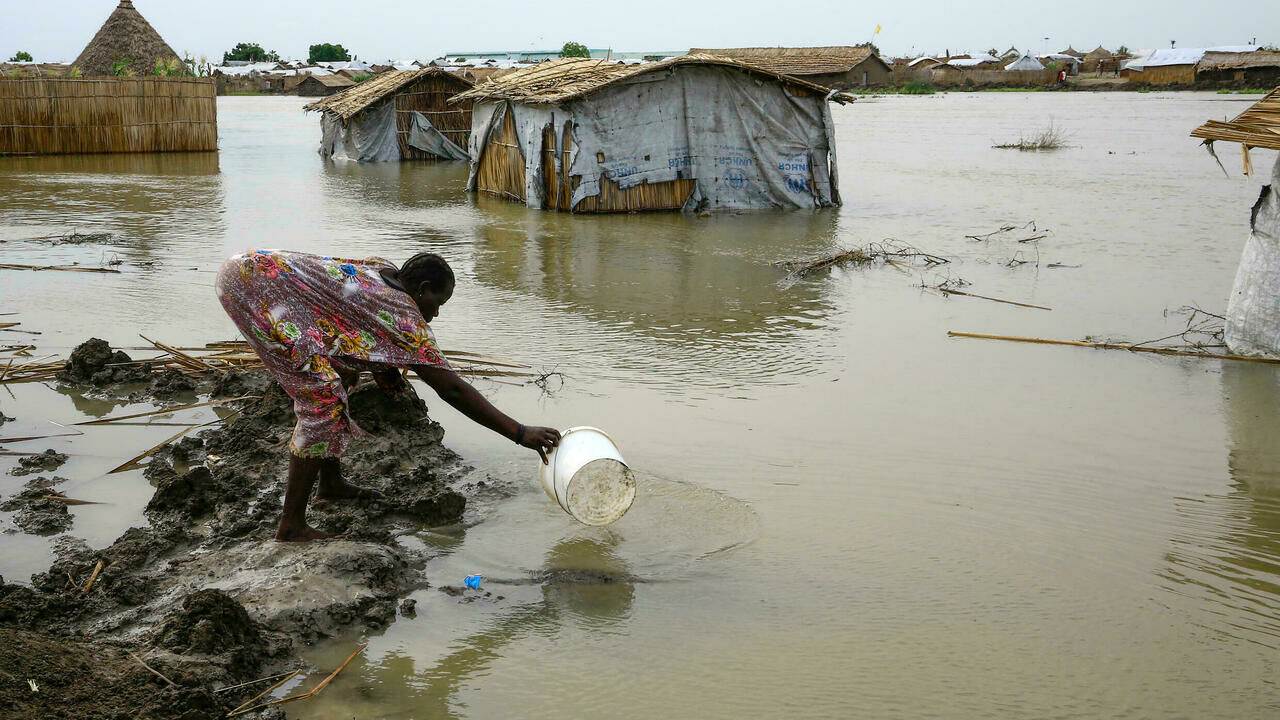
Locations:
(202, 593)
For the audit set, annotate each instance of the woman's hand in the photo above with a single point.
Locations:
(541, 439)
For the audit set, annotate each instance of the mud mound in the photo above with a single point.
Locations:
(43, 517)
(211, 623)
(94, 362)
(98, 681)
(172, 384)
(48, 460)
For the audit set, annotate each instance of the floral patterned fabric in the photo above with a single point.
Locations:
(317, 322)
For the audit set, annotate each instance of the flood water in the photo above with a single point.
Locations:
(842, 512)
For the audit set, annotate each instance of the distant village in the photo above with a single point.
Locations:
(848, 68)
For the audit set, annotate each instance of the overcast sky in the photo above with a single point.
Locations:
(57, 30)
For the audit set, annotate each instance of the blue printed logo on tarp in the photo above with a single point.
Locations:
(735, 179)
(795, 173)
(796, 183)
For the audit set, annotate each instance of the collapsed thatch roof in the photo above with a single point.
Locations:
(798, 61)
(353, 100)
(1214, 60)
(126, 35)
(1259, 126)
(566, 79)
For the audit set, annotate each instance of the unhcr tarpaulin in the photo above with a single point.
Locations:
(371, 136)
(746, 141)
(1253, 311)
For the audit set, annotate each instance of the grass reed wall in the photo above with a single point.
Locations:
(48, 116)
(502, 164)
(429, 96)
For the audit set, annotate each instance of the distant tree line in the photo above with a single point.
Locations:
(252, 52)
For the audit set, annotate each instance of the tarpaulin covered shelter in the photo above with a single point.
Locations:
(689, 132)
(398, 115)
(1026, 62)
(1253, 311)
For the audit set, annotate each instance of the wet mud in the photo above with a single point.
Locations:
(202, 592)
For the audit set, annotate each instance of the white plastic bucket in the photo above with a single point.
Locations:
(587, 476)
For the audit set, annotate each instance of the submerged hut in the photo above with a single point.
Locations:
(398, 115)
(126, 44)
(842, 67)
(324, 85)
(689, 132)
(1253, 311)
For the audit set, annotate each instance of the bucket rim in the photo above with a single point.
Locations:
(578, 428)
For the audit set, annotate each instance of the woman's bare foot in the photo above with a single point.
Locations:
(305, 533)
(328, 492)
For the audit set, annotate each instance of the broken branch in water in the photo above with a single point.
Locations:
(311, 693)
(889, 251)
(166, 411)
(132, 464)
(68, 268)
(942, 288)
(1114, 346)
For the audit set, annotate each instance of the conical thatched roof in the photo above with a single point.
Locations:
(126, 35)
(1098, 53)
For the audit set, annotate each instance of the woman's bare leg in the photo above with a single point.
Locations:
(333, 487)
(293, 520)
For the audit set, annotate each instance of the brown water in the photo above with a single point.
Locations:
(841, 511)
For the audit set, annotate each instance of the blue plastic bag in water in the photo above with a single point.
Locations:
(473, 581)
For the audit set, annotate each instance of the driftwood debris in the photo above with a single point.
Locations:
(68, 268)
(945, 291)
(888, 252)
(1115, 346)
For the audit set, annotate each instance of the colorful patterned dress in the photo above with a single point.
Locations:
(317, 320)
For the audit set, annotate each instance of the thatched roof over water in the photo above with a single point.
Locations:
(1213, 60)
(797, 60)
(558, 81)
(353, 100)
(126, 35)
(1259, 126)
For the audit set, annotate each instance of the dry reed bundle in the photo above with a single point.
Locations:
(501, 169)
(107, 115)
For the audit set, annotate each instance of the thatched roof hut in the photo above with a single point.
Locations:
(839, 66)
(1253, 308)
(397, 115)
(127, 37)
(1073, 52)
(1260, 68)
(690, 132)
(322, 85)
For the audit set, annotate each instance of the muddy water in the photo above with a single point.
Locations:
(841, 511)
